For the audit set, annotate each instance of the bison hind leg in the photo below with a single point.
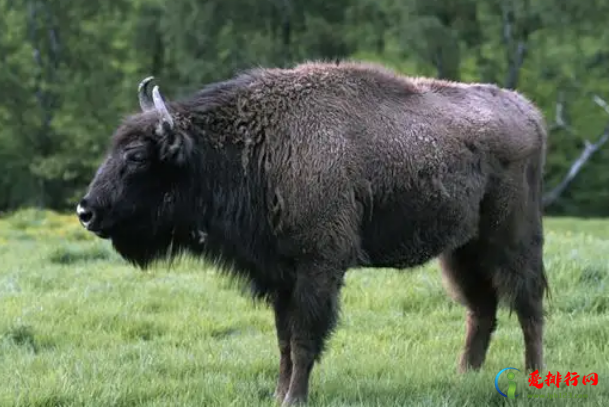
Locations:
(521, 282)
(473, 287)
(481, 275)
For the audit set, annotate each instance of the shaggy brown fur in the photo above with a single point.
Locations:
(291, 176)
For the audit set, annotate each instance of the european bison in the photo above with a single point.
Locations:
(289, 177)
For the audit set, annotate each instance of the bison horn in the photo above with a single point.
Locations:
(160, 106)
(145, 102)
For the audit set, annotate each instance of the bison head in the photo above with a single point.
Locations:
(138, 195)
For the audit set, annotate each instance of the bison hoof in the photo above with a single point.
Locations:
(290, 400)
(279, 396)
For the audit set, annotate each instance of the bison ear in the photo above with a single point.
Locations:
(174, 145)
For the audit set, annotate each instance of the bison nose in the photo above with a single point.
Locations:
(85, 214)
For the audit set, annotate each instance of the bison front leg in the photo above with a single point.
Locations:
(282, 324)
(314, 311)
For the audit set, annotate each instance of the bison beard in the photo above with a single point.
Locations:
(289, 177)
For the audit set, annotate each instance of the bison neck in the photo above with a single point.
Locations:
(237, 237)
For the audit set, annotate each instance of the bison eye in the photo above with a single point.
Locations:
(137, 156)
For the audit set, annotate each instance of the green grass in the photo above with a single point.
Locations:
(80, 327)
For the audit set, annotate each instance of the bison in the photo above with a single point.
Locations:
(289, 177)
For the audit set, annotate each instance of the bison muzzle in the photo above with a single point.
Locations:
(289, 177)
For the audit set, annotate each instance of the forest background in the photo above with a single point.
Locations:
(70, 70)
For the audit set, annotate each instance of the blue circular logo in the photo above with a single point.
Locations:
(512, 384)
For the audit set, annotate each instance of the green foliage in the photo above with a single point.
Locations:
(70, 69)
(80, 327)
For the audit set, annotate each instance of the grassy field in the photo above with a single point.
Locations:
(80, 327)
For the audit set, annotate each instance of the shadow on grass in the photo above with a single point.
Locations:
(72, 254)
(23, 336)
(143, 330)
